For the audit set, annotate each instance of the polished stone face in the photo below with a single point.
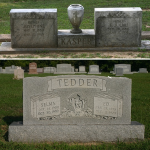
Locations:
(80, 99)
(118, 27)
(33, 28)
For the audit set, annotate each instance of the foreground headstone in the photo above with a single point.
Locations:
(32, 68)
(76, 109)
(18, 74)
(119, 71)
(64, 69)
(143, 70)
(126, 68)
(118, 27)
(94, 69)
(33, 28)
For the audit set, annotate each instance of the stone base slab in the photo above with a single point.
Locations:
(75, 133)
(5, 48)
(80, 72)
(64, 72)
(94, 73)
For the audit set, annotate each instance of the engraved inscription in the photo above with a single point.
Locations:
(46, 108)
(107, 107)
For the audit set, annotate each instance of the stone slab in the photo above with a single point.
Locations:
(5, 48)
(70, 40)
(119, 71)
(32, 68)
(126, 68)
(76, 99)
(18, 73)
(118, 27)
(75, 133)
(33, 28)
(143, 70)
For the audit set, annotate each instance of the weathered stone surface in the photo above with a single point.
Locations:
(18, 74)
(82, 69)
(94, 69)
(119, 71)
(40, 70)
(32, 68)
(82, 40)
(76, 99)
(118, 27)
(33, 28)
(126, 68)
(143, 70)
(75, 133)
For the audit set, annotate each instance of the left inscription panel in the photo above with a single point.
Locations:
(33, 28)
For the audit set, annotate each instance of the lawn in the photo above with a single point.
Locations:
(11, 109)
(62, 5)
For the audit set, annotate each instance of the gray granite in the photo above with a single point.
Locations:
(75, 133)
(118, 27)
(5, 48)
(82, 40)
(40, 70)
(143, 70)
(94, 69)
(126, 68)
(82, 69)
(33, 28)
(76, 99)
(119, 71)
(1, 70)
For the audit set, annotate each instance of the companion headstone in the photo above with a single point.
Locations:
(118, 27)
(94, 69)
(40, 70)
(119, 71)
(32, 68)
(76, 108)
(143, 70)
(18, 74)
(82, 69)
(64, 69)
(126, 68)
(33, 28)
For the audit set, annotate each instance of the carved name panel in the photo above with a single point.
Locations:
(76, 99)
(118, 27)
(33, 28)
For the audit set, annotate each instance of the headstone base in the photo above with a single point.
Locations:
(75, 133)
(64, 72)
(93, 73)
(81, 72)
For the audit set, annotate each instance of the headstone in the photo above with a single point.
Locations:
(85, 39)
(13, 67)
(72, 68)
(33, 28)
(76, 108)
(32, 68)
(52, 69)
(9, 70)
(64, 69)
(119, 71)
(82, 69)
(1, 70)
(76, 70)
(40, 70)
(118, 27)
(94, 69)
(18, 74)
(126, 68)
(49, 69)
(143, 70)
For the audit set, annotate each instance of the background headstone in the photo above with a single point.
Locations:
(143, 70)
(118, 27)
(94, 69)
(119, 71)
(33, 28)
(64, 69)
(40, 70)
(82, 69)
(32, 68)
(126, 68)
(18, 74)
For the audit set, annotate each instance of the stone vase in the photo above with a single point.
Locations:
(75, 14)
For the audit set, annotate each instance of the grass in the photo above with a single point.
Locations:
(11, 109)
(61, 5)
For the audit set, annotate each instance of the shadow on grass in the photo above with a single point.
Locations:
(9, 120)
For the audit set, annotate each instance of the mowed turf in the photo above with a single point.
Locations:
(11, 109)
(62, 5)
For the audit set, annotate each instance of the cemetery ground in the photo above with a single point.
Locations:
(11, 109)
(63, 23)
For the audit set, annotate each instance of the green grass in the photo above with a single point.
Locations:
(61, 5)
(11, 109)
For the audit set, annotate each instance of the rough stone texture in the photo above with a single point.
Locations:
(76, 99)
(81, 40)
(118, 27)
(94, 69)
(33, 28)
(75, 133)
(143, 70)
(126, 68)
(18, 73)
(40, 70)
(5, 48)
(32, 68)
(119, 71)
